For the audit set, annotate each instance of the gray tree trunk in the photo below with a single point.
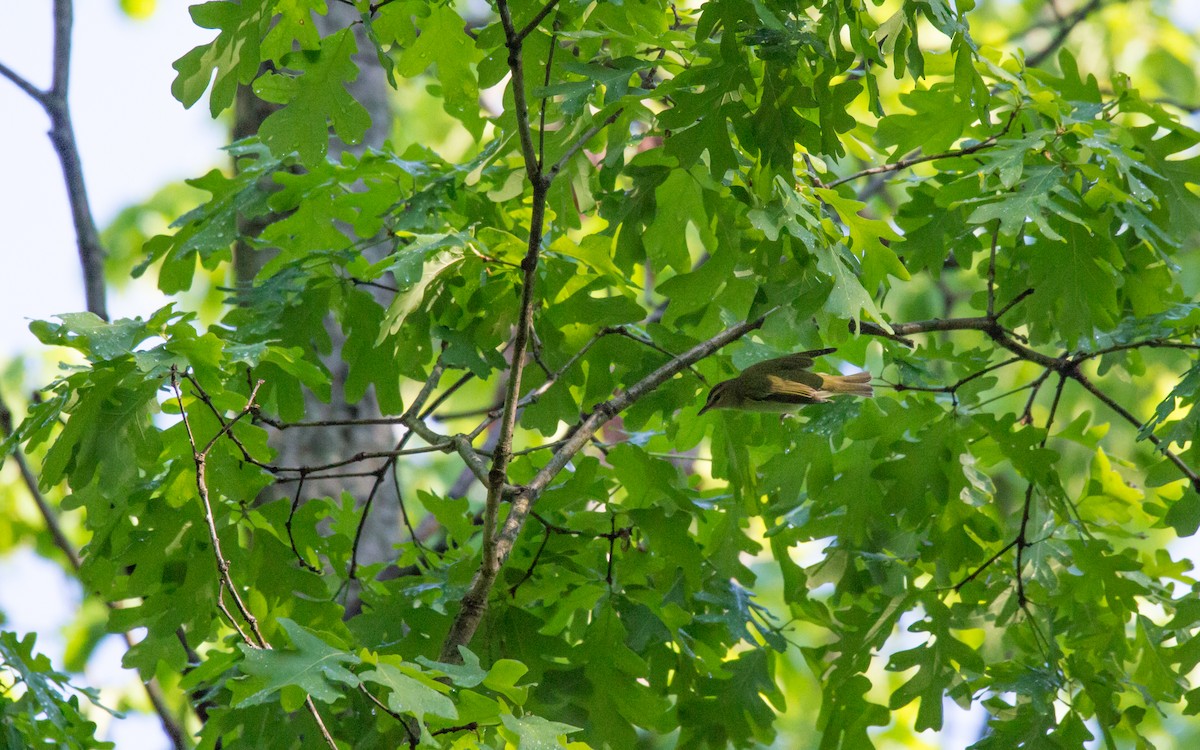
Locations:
(321, 445)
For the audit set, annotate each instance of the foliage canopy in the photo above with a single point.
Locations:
(667, 193)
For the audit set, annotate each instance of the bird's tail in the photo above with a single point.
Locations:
(855, 384)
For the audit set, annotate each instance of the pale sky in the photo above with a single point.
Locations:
(133, 135)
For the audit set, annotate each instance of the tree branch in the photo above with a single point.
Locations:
(528, 28)
(200, 458)
(62, 136)
(915, 157)
(1064, 30)
(32, 91)
(409, 416)
(1066, 365)
(1108, 401)
(521, 109)
(580, 143)
(474, 603)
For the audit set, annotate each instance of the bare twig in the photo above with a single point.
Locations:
(288, 525)
(986, 564)
(1108, 401)
(227, 585)
(200, 458)
(876, 183)
(1015, 300)
(1066, 365)
(32, 91)
(528, 28)
(1022, 539)
(545, 100)
(580, 143)
(493, 412)
(62, 136)
(918, 158)
(1147, 344)
(313, 712)
(954, 387)
(1064, 30)
(409, 418)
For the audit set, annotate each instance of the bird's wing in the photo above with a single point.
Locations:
(794, 391)
(787, 364)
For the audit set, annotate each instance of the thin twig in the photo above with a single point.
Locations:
(363, 421)
(1066, 365)
(1150, 344)
(1022, 539)
(986, 564)
(528, 28)
(581, 142)
(1186, 470)
(545, 101)
(312, 710)
(1013, 303)
(1035, 388)
(409, 418)
(200, 458)
(910, 161)
(56, 103)
(952, 389)
(32, 91)
(288, 526)
(914, 157)
(1061, 35)
(412, 532)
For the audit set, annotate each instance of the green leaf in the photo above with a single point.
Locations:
(411, 691)
(41, 714)
(502, 678)
(1075, 283)
(468, 674)
(869, 238)
(312, 665)
(316, 100)
(536, 733)
(233, 56)
(848, 298)
(443, 43)
(1183, 515)
(416, 267)
(1039, 197)
(679, 205)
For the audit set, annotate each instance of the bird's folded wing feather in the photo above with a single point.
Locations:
(797, 361)
(788, 390)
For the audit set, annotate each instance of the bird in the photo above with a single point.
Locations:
(785, 384)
